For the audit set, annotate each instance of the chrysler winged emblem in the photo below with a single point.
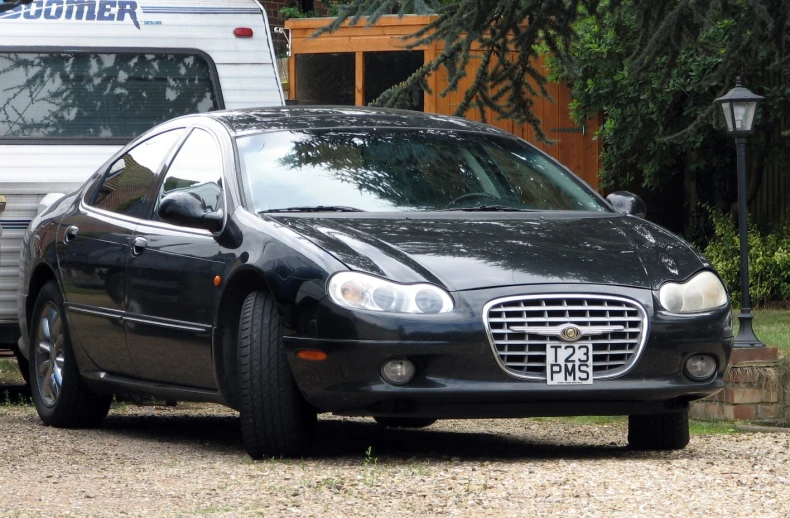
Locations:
(568, 332)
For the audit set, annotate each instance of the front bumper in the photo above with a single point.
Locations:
(458, 375)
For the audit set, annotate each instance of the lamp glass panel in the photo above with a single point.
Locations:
(744, 115)
(726, 108)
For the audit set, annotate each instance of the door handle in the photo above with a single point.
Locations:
(138, 245)
(70, 234)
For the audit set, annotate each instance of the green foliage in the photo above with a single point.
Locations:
(659, 115)
(659, 118)
(294, 12)
(731, 36)
(649, 109)
(370, 467)
(769, 260)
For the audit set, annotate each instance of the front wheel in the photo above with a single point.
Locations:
(276, 421)
(659, 431)
(61, 397)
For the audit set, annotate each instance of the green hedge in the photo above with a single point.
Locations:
(769, 260)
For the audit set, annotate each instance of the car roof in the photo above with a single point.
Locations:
(256, 120)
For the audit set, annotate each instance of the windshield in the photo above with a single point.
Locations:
(385, 170)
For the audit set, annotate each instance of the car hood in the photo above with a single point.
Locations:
(463, 251)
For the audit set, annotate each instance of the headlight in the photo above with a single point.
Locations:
(702, 292)
(361, 291)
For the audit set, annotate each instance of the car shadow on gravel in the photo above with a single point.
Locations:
(344, 439)
(338, 439)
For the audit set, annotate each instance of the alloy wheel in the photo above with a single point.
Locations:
(49, 354)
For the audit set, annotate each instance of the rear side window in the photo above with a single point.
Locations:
(123, 188)
(99, 95)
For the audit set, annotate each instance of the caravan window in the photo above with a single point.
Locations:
(99, 95)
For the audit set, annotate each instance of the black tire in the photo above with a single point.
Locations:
(659, 432)
(24, 366)
(276, 421)
(405, 422)
(75, 406)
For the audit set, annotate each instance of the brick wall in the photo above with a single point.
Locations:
(273, 14)
(753, 389)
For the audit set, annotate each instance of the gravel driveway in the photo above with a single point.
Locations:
(188, 460)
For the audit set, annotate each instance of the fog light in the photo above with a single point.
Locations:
(700, 367)
(398, 372)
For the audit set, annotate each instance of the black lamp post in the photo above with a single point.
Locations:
(739, 106)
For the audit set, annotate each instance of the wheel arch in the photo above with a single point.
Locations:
(42, 274)
(241, 284)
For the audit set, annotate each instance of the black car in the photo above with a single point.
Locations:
(365, 262)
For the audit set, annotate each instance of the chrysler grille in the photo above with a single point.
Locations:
(522, 353)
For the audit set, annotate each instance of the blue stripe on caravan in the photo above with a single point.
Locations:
(14, 224)
(198, 13)
(201, 12)
(198, 10)
(166, 8)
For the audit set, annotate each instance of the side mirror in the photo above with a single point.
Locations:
(627, 203)
(187, 210)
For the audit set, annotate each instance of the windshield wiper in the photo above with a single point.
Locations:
(315, 208)
(490, 208)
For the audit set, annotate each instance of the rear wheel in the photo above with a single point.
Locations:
(275, 418)
(60, 395)
(405, 422)
(659, 431)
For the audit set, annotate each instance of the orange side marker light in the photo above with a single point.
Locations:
(312, 355)
(217, 280)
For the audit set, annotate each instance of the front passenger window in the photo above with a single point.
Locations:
(196, 170)
(123, 188)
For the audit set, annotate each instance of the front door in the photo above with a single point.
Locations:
(93, 247)
(171, 271)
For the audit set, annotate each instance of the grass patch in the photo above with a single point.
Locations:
(9, 373)
(711, 427)
(8, 367)
(772, 326)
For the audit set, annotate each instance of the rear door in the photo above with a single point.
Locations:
(170, 275)
(93, 247)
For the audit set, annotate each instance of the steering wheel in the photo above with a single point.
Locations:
(467, 196)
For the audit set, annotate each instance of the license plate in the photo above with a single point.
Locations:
(569, 364)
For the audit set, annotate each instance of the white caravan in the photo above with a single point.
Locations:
(80, 78)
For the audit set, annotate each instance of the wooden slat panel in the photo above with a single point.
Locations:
(292, 77)
(565, 148)
(443, 103)
(430, 98)
(409, 22)
(359, 79)
(345, 44)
